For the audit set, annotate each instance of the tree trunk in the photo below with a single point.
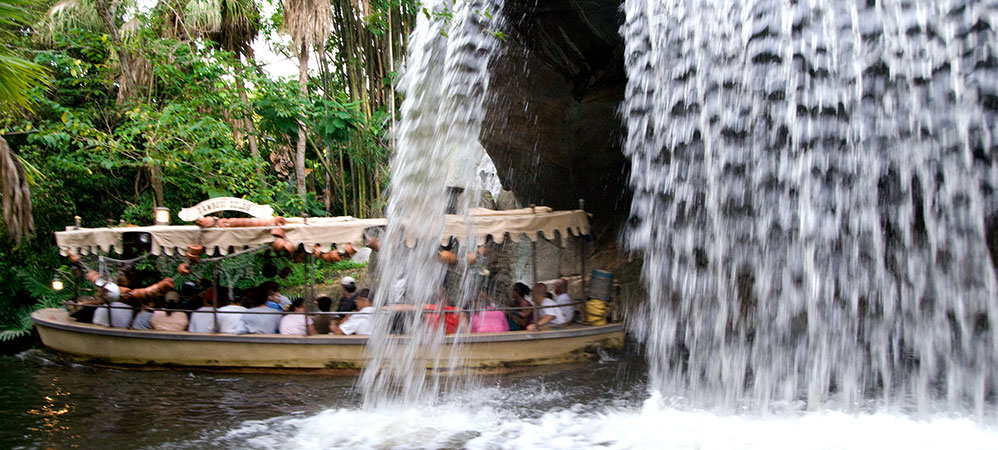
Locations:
(343, 182)
(377, 186)
(391, 87)
(300, 150)
(127, 86)
(250, 127)
(327, 194)
(353, 185)
(364, 198)
(156, 180)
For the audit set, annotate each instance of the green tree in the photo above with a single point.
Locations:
(148, 107)
(308, 22)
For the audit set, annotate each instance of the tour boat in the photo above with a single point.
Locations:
(120, 346)
(325, 236)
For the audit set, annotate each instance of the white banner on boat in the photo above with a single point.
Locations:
(225, 204)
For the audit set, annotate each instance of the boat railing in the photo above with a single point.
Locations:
(391, 308)
(388, 308)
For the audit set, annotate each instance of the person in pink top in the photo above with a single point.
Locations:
(170, 320)
(487, 319)
(296, 324)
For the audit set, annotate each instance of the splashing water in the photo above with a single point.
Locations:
(445, 82)
(651, 425)
(813, 180)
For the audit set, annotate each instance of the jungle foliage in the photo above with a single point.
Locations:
(121, 108)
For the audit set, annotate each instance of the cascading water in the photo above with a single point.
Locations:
(445, 82)
(812, 181)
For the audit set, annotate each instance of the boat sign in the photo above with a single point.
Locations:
(225, 204)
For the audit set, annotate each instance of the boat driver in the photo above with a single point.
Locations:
(360, 322)
(348, 303)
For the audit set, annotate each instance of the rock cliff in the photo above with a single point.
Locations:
(552, 126)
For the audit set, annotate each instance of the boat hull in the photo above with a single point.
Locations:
(149, 348)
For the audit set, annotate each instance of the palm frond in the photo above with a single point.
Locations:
(16, 195)
(307, 21)
(68, 15)
(20, 326)
(129, 30)
(13, 333)
(204, 15)
(17, 78)
(239, 26)
(16, 12)
(37, 282)
(31, 173)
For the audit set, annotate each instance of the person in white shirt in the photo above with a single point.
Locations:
(358, 323)
(551, 311)
(229, 319)
(116, 314)
(561, 297)
(263, 318)
(203, 320)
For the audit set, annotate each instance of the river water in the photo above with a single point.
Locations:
(47, 402)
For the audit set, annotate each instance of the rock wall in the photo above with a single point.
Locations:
(552, 125)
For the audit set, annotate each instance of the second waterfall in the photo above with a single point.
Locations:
(813, 183)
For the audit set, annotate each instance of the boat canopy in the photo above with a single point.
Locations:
(174, 239)
(536, 222)
(325, 233)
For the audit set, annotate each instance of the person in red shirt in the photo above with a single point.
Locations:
(453, 322)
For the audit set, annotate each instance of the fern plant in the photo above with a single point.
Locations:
(37, 282)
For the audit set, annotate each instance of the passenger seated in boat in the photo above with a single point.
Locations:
(142, 320)
(487, 319)
(550, 313)
(275, 299)
(83, 310)
(230, 317)
(322, 321)
(453, 321)
(348, 303)
(297, 324)
(169, 320)
(358, 323)
(203, 319)
(265, 316)
(521, 318)
(190, 296)
(116, 314)
(566, 303)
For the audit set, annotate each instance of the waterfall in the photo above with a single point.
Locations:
(445, 82)
(813, 184)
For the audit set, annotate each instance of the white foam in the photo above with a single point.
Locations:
(488, 424)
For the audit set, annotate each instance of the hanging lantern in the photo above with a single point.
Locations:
(162, 215)
(57, 284)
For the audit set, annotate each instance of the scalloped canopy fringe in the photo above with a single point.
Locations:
(478, 226)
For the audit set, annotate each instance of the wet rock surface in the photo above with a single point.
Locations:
(552, 125)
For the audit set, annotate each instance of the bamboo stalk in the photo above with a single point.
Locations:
(300, 148)
(343, 182)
